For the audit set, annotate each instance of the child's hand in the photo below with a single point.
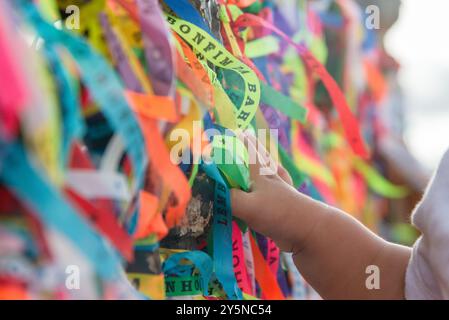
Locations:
(270, 198)
(331, 249)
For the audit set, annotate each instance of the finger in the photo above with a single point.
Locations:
(253, 161)
(263, 156)
(267, 162)
(283, 173)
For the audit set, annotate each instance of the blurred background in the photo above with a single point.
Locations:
(419, 42)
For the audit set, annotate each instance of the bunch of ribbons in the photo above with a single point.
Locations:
(92, 204)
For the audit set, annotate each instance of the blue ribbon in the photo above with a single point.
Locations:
(222, 234)
(201, 260)
(72, 122)
(187, 12)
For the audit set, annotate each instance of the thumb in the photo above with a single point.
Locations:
(242, 204)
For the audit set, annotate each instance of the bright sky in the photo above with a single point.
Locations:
(420, 41)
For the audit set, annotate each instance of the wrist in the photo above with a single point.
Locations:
(306, 219)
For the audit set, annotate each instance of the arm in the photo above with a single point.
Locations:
(331, 249)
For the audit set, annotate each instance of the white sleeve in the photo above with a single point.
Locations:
(427, 275)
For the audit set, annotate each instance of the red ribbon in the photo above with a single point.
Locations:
(349, 121)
